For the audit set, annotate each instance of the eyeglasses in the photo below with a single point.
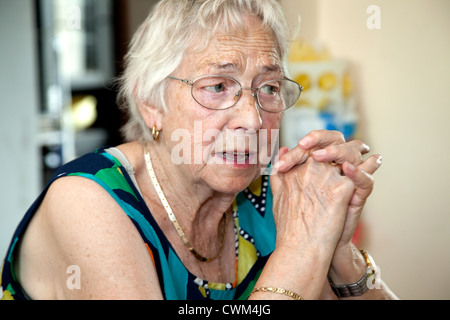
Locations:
(217, 92)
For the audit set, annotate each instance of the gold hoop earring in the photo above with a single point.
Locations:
(155, 133)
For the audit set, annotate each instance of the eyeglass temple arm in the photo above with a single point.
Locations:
(182, 80)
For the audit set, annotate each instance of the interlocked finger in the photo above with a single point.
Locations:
(351, 152)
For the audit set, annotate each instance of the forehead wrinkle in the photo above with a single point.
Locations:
(237, 63)
(223, 62)
(232, 52)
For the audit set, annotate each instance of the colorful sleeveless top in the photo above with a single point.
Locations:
(254, 227)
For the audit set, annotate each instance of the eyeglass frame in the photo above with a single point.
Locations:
(255, 91)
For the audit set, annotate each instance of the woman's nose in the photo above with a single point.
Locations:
(246, 111)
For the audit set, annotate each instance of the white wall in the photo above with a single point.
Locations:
(19, 163)
(402, 76)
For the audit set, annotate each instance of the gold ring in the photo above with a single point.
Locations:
(335, 164)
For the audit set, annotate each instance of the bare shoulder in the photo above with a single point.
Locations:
(82, 245)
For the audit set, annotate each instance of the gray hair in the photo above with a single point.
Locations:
(158, 46)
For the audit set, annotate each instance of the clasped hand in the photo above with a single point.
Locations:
(316, 204)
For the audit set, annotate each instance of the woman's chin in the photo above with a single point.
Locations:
(232, 178)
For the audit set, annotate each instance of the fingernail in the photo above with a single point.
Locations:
(380, 160)
(320, 153)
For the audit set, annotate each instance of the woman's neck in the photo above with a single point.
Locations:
(197, 207)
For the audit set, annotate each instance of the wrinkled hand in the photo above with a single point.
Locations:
(310, 204)
(326, 146)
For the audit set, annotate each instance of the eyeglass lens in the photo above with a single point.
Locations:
(217, 92)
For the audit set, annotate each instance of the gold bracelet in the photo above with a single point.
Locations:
(277, 290)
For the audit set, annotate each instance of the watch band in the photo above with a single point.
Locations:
(359, 287)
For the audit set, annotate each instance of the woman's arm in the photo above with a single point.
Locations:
(79, 224)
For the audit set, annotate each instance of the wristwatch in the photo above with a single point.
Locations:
(359, 287)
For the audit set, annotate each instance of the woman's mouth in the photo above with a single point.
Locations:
(236, 157)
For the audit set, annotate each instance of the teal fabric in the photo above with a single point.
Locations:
(254, 228)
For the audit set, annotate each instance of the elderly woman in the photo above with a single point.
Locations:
(182, 211)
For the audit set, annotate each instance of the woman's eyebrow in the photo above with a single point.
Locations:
(227, 66)
(271, 68)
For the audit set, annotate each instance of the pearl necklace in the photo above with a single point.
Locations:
(173, 218)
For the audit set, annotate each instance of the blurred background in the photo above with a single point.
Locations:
(376, 70)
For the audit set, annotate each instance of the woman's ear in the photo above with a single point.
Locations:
(152, 115)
